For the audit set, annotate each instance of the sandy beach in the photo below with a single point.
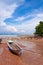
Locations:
(32, 52)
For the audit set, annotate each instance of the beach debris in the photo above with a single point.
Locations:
(0, 40)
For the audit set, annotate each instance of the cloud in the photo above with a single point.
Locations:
(20, 18)
(29, 25)
(24, 17)
(10, 2)
(40, 15)
(10, 28)
(23, 31)
(28, 21)
(6, 10)
(33, 14)
(2, 23)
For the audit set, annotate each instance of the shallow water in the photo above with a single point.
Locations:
(28, 45)
(5, 36)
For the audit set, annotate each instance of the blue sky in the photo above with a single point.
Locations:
(20, 16)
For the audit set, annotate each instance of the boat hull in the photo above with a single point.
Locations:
(17, 50)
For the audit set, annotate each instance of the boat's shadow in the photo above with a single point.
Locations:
(13, 52)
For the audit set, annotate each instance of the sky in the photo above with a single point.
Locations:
(20, 16)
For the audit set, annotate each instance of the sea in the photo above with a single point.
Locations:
(4, 36)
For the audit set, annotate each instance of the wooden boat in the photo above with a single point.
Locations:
(14, 47)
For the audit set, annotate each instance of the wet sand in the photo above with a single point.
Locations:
(32, 52)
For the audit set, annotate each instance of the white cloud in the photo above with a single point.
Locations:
(6, 11)
(29, 25)
(9, 2)
(8, 28)
(40, 15)
(11, 28)
(20, 18)
(2, 23)
(23, 31)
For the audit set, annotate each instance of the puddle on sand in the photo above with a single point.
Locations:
(27, 45)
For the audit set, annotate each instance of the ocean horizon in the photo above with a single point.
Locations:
(3, 36)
